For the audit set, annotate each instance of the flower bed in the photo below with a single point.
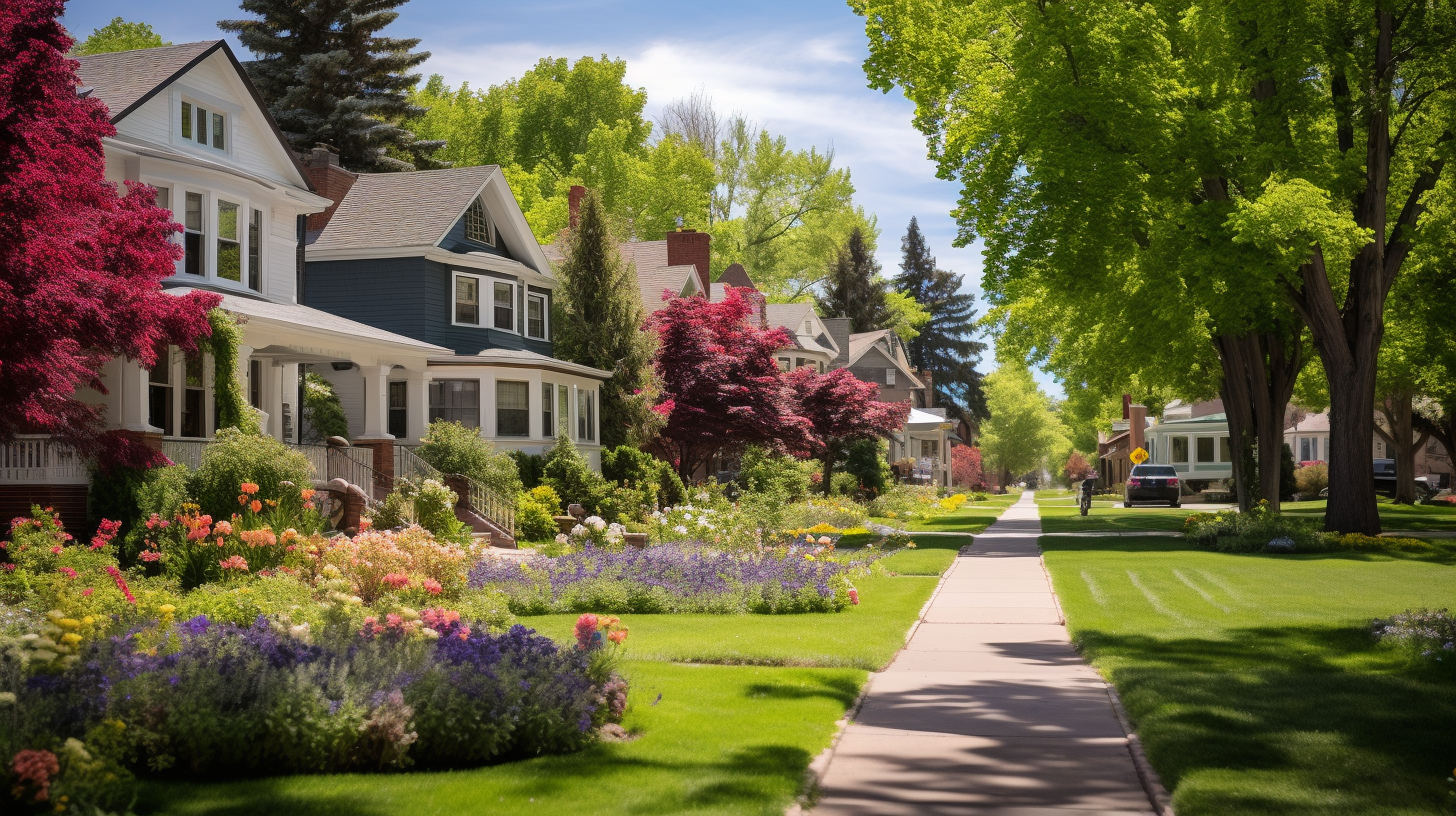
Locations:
(1232, 531)
(674, 578)
(1427, 633)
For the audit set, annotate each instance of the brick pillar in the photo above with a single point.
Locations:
(573, 203)
(1137, 427)
(687, 246)
(383, 450)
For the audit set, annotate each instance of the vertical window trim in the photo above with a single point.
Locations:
(532, 297)
(455, 300)
(494, 282)
(253, 252)
(548, 410)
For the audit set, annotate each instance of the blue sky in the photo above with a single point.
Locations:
(793, 67)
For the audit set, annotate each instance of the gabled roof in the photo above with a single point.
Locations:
(736, 275)
(124, 80)
(653, 273)
(1313, 423)
(306, 317)
(386, 210)
(861, 343)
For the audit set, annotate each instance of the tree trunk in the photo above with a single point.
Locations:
(1400, 434)
(828, 461)
(1259, 372)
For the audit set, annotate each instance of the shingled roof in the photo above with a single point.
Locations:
(125, 79)
(402, 209)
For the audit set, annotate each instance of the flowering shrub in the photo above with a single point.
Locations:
(194, 550)
(670, 578)
(1232, 531)
(914, 501)
(217, 699)
(427, 503)
(410, 564)
(1311, 477)
(1430, 634)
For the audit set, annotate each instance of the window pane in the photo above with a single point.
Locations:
(1205, 449)
(161, 373)
(227, 220)
(585, 417)
(456, 401)
(563, 410)
(255, 383)
(467, 301)
(255, 251)
(164, 197)
(159, 408)
(1179, 449)
(398, 413)
(194, 371)
(187, 120)
(192, 407)
(193, 219)
(217, 131)
(512, 409)
(548, 399)
(202, 125)
(477, 225)
(505, 312)
(536, 316)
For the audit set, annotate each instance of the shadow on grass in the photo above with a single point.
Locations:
(840, 690)
(1443, 552)
(1285, 719)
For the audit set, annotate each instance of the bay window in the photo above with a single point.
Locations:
(229, 247)
(512, 408)
(467, 300)
(504, 300)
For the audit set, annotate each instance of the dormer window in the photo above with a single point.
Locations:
(204, 127)
(477, 225)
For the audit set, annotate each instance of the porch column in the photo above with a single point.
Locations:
(289, 397)
(417, 405)
(133, 398)
(376, 401)
(273, 398)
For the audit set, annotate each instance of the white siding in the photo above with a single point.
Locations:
(349, 385)
(281, 261)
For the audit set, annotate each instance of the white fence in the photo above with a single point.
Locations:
(41, 460)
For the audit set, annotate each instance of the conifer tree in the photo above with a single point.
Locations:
(599, 323)
(853, 288)
(944, 346)
(329, 77)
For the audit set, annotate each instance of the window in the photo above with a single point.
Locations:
(193, 236)
(563, 410)
(783, 364)
(159, 394)
(229, 250)
(203, 126)
(164, 197)
(1178, 449)
(504, 298)
(586, 428)
(1304, 455)
(889, 376)
(255, 384)
(255, 250)
(456, 401)
(929, 448)
(477, 225)
(467, 300)
(512, 408)
(1225, 454)
(193, 398)
(536, 316)
(1205, 448)
(399, 410)
(548, 400)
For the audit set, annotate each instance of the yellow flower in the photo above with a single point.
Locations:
(88, 620)
(69, 623)
(70, 638)
(166, 609)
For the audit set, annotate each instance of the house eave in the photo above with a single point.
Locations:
(307, 202)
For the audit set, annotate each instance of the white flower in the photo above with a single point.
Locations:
(561, 538)
(578, 531)
(680, 530)
(430, 633)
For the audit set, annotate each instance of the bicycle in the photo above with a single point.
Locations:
(1084, 504)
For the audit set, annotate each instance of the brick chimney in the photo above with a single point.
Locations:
(928, 377)
(838, 328)
(573, 203)
(1126, 405)
(331, 181)
(1137, 427)
(688, 246)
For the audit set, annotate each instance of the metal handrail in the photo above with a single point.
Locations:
(409, 465)
(492, 506)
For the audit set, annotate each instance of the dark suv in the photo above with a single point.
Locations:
(1152, 483)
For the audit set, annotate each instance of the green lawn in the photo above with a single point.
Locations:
(1104, 518)
(1253, 680)
(722, 740)
(1418, 518)
(970, 518)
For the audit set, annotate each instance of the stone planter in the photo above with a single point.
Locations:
(638, 540)
(565, 523)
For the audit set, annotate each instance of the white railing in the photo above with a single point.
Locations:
(353, 465)
(185, 451)
(41, 460)
(409, 465)
(493, 506)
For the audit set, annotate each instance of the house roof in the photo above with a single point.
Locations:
(787, 315)
(1313, 423)
(519, 358)
(736, 275)
(653, 273)
(123, 80)
(1210, 419)
(311, 319)
(384, 210)
(861, 343)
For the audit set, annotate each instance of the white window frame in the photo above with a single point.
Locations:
(482, 303)
(515, 305)
(545, 315)
(485, 217)
(889, 376)
(211, 229)
(197, 98)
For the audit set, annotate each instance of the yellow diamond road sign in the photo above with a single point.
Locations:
(1138, 456)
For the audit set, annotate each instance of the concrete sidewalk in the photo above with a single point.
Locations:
(988, 710)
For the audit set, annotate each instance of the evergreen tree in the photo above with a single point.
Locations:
(599, 323)
(853, 288)
(328, 77)
(945, 346)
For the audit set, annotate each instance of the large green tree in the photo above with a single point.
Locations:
(946, 344)
(599, 322)
(328, 75)
(1259, 166)
(854, 289)
(119, 35)
(1023, 429)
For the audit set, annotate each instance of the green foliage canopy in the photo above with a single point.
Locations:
(1022, 430)
(119, 35)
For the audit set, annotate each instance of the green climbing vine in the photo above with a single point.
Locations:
(233, 410)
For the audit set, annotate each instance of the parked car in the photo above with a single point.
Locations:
(1152, 483)
(1385, 480)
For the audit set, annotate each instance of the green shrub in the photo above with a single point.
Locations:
(452, 448)
(132, 495)
(864, 459)
(235, 457)
(568, 473)
(1311, 479)
(670, 488)
(534, 520)
(529, 466)
(323, 413)
(844, 484)
(426, 502)
(766, 472)
(1232, 531)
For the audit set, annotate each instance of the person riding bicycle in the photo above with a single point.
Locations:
(1084, 503)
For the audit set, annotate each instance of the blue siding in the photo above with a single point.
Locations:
(455, 241)
(407, 296)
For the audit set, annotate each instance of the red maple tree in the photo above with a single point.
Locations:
(1077, 468)
(81, 263)
(721, 385)
(841, 409)
(965, 467)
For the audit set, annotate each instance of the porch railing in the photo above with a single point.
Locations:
(409, 465)
(493, 506)
(41, 460)
(353, 465)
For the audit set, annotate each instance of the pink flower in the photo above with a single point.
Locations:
(150, 556)
(249, 488)
(85, 593)
(68, 572)
(585, 630)
(432, 586)
(56, 550)
(35, 769)
(223, 527)
(234, 562)
(396, 580)
(854, 597)
(120, 583)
